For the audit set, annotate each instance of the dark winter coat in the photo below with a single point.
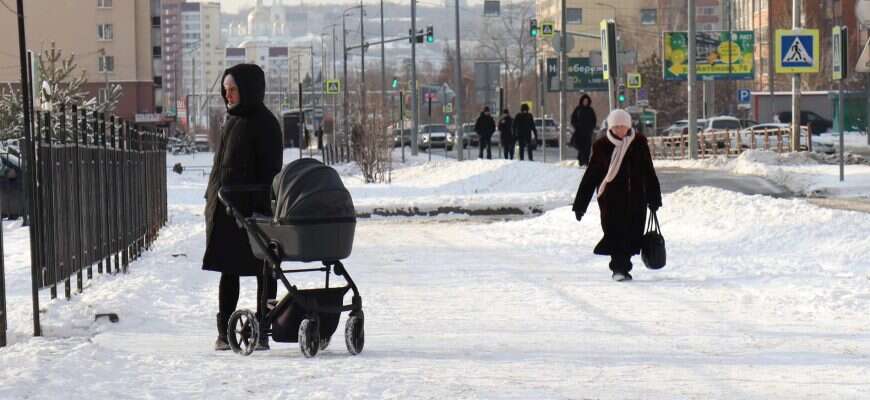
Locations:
(506, 129)
(484, 126)
(524, 125)
(584, 121)
(249, 153)
(625, 200)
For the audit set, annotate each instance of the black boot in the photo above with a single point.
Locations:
(221, 343)
(263, 343)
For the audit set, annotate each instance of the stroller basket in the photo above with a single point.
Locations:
(291, 311)
(326, 241)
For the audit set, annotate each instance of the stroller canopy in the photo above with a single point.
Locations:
(308, 191)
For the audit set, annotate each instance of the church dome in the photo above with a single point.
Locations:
(258, 21)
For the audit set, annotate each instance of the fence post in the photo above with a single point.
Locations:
(77, 202)
(114, 191)
(63, 204)
(2, 288)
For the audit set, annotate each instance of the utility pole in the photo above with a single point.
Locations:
(334, 101)
(383, 66)
(414, 99)
(796, 85)
(362, 40)
(563, 67)
(770, 62)
(693, 133)
(344, 83)
(457, 76)
(193, 94)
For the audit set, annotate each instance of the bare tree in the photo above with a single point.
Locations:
(509, 41)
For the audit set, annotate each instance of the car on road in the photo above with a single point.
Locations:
(435, 136)
(399, 139)
(681, 127)
(721, 124)
(551, 133)
(816, 122)
(746, 135)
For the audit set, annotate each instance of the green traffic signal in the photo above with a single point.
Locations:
(447, 119)
(395, 83)
(430, 34)
(622, 98)
(533, 27)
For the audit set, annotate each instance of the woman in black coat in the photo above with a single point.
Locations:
(622, 172)
(249, 153)
(584, 122)
(524, 126)
(506, 133)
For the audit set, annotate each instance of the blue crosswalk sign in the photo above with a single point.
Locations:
(744, 96)
(797, 51)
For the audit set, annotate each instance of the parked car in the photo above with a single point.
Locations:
(551, 133)
(816, 122)
(399, 139)
(721, 124)
(746, 123)
(681, 127)
(746, 135)
(435, 135)
(469, 136)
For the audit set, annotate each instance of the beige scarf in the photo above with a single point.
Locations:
(621, 147)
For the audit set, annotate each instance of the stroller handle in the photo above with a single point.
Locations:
(224, 190)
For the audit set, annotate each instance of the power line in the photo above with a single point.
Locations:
(8, 8)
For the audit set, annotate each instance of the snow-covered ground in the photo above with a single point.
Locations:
(801, 173)
(762, 298)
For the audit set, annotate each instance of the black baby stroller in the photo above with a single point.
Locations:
(313, 220)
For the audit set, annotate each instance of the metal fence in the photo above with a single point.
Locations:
(97, 197)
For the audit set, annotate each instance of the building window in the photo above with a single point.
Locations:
(155, 22)
(104, 32)
(158, 81)
(104, 3)
(648, 16)
(106, 64)
(156, 52)
(574, 15)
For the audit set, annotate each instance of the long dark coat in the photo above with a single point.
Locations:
(584, 121)
(524, 126)
(625, 200)
(484, 126)
(506, 130)
(249, 153)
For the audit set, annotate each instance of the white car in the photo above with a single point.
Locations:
(721, 124)
(435, 135)
(746, 135)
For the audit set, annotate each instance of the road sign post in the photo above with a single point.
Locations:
(634, 81)
(797, 52)
(839, 42)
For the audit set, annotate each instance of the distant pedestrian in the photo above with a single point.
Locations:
(485, 126)
(506, 133)
(524, 126)
(584, 122)
(622, 173)
(319, 134)
(249, 153)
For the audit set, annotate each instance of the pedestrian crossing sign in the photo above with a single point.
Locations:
(797, 51)
(634, 81)
(548, 28)
(333, 86)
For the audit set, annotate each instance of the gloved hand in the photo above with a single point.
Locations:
(578, 214)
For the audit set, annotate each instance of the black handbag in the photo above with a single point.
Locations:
(652, 248)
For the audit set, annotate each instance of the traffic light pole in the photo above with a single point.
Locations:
(457, 76)
(414, 99)
(563, 67)
(693, 121)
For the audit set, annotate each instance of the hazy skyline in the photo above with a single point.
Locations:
(233, 6)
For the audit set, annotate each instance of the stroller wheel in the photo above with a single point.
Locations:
(324, 342)
(354, 334)
(243, 332)
(309, 337)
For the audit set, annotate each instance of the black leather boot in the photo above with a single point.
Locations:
(221, 343)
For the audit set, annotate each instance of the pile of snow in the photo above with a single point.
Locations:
(800, 172)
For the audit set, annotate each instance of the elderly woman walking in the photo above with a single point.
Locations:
(622, 173)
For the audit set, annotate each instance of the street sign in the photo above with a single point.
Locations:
(634, 80)
(744, 96)
(557, 43)
(447, 108)
(582, 75)
(864, 60)
(333, 86)
(607, 44)
(839, 40)
(548, 28)
(528, 103)
(797, 51)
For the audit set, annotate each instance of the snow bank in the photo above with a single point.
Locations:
(801, 172)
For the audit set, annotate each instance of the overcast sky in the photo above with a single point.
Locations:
(232, 6)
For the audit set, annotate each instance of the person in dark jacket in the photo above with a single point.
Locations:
(622, 173)
(249, 153)
(584, 122)
(485, 126)
(524, 126)
(506, 132)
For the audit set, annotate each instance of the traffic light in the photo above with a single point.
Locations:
(533, 27)
(621, 94)
(395, 83)
(430, 34)
(447, 119)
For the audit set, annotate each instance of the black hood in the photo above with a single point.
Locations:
(252, 87)
(585, 101)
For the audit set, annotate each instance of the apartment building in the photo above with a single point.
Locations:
(113, 42)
